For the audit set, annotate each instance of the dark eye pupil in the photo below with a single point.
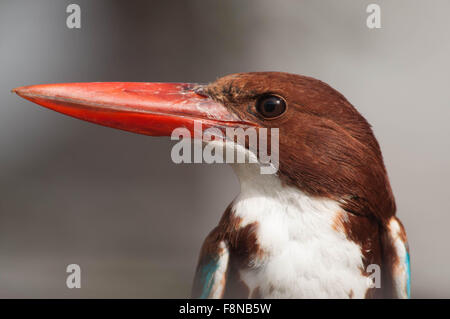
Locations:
(270, 106)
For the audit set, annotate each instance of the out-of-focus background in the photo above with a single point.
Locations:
(114, 203)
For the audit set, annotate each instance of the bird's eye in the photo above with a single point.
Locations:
(270, 106)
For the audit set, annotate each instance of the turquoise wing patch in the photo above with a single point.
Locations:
(207, 273)
(210, 277)
(408, 275)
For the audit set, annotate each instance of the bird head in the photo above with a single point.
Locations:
(326, 148)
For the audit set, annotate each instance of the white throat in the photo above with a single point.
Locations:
(304, 256)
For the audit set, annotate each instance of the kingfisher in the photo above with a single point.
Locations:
(323, 226)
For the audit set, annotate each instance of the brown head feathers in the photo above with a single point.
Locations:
(326, 147)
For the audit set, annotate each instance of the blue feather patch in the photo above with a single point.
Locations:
(408, 274)
(207, 275)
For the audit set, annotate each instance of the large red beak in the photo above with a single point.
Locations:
(147, 108)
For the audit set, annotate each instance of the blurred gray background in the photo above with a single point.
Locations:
(114, 203)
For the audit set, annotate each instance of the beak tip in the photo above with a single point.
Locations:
(19, 90)
(23, 91)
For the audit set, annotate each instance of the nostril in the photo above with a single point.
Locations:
(200, 90)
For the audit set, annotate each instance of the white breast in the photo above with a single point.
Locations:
(304, 256)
